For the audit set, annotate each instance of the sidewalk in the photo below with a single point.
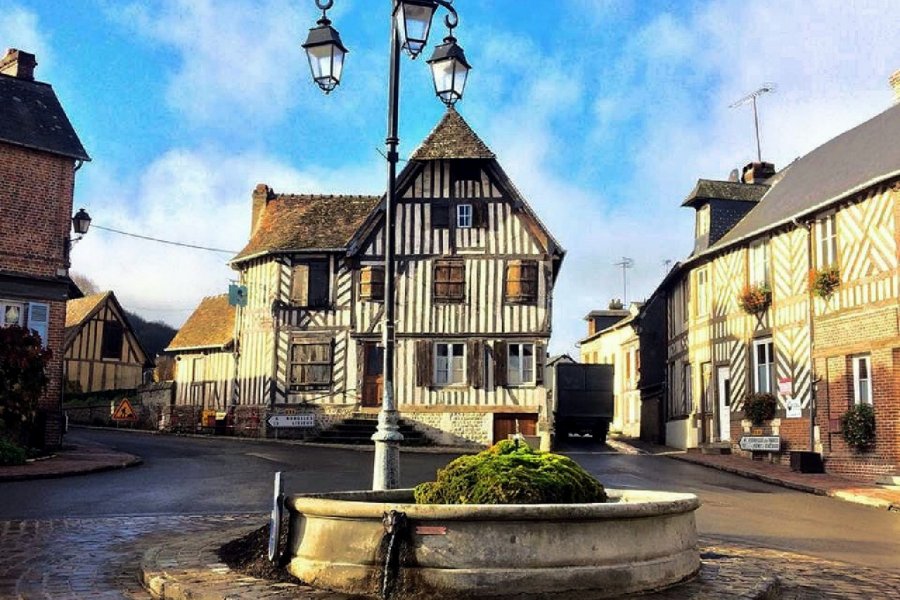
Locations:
(821, 484)
(71, 460)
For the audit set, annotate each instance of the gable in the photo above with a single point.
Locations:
(88, 315)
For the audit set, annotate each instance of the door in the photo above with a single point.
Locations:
(707, 417)
(724, 387)
(506, 425)
(373, 374)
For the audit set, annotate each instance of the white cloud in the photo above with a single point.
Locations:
(20, 29)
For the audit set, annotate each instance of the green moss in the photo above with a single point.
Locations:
(510, 474)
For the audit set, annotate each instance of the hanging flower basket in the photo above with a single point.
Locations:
(755, 299)
(824, 282)
(760, 407)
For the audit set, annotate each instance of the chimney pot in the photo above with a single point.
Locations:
(895, 84)
(757, 172)
(19, 64)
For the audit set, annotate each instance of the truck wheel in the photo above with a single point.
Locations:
(562, 433)
(599, 434)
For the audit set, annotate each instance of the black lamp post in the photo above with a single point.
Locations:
(410, 25)
(81, 221)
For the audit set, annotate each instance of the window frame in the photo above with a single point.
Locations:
(465, 221)
(450, 282)
(449, 370)
(328, 343)
(323, 265)
(687, 389)
(857, 361)
(769, 344)
(826, 240)
(757, 249)
(702, 304)
(6, 305)
(521, 370)
(106, 343)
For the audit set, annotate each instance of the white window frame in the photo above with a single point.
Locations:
(703, 292)
(858, 396)
(826, 241)
(443, 374)
(517, 377)
(770, 364)
(703, 221)
(464, 215)
(759, 263)
(5, 305)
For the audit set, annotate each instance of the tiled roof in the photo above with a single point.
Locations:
(307, 222)
(851, 162)
(452, 138)
(211, 325)
(709, 189)
(31, 116)
(81, 308)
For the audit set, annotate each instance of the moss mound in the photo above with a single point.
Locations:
(510, 473)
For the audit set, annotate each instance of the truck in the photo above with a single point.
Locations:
(582, 399)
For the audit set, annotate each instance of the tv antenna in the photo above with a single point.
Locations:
(751, 97)
(667, 264)
(626, 263)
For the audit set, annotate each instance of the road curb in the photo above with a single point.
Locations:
(130, 461)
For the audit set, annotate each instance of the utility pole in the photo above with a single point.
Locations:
(751, 97)
(626, 263)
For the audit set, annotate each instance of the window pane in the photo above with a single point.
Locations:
(864, 396)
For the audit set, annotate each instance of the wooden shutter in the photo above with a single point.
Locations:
(540, 359)
(521, 281)
(371, 283)
(39, 320)
(300, 285)
(319, 279)
(360, 367)
(440, 215)
(479, 214)
(424, 363)
(475, 363)
(499, 364)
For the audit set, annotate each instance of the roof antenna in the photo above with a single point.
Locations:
(625, 263)
(751, 97)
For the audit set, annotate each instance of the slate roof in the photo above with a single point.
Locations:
(452, 138)
(31, 116)
(307, 222)
(78, 310)
(709, 189)
(851, 162)
(211, 325)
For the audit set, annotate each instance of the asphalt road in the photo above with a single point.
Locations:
(204, 476)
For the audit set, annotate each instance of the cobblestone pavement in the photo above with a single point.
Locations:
(101, 558)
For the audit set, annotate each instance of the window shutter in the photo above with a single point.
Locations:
(440, 215)
(39, 320)
(360, 367)
(479, 214)
(540, 358)
(300, 285)
(371, 283)
(424, 363)
(499, 364)
(319, 276)
(475, 363)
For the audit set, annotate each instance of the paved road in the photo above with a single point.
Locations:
(71, 527)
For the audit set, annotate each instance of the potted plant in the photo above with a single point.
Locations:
(858, 427)
(755, 299)
(760, 407)
(824, 282)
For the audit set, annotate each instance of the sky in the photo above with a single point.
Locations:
(603, 112)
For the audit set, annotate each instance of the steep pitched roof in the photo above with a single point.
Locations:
(856, 159)
(452, 138)
(80, 309)
(211, 325)
(307, 222)
(710, 189)
(31, 116)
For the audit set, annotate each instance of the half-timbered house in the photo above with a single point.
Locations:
(102, 351)
(819, 350)
(474, 284)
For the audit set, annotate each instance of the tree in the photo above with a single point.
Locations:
(23, 378)
(87, 285)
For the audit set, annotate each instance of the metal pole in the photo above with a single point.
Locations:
(756, 125)
(387, 438)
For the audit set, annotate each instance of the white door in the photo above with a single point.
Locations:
(723, 377)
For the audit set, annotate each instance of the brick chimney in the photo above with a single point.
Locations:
(18, 64)
(261, 196)
(895, 83)
(757, 172)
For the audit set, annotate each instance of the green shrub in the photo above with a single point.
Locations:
(11, 454)
(858, 426)
(507, 473)
(760, 407)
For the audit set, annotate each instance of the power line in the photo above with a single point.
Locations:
(153, 239)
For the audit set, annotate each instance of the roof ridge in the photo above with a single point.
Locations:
(452, 137)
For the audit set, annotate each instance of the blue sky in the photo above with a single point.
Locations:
(604, 113)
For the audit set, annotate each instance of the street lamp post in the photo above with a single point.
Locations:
(410, 26)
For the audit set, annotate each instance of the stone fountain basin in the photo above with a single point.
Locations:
(639, 541)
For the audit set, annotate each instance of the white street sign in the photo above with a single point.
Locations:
(793, 408)
(761, 443)
(292, 421)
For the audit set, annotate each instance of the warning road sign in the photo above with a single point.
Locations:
(124, 412)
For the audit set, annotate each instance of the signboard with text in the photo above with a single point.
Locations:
(761, 443)
(292, 421)
(793, 409)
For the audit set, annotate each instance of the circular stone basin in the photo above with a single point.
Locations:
(639, 541)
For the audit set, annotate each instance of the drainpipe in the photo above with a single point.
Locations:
(810, 311)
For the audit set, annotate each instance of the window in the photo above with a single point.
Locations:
(449, 281)
(111, 344)
(310, 284)
(371, 283)
(310, 364)
(449, 363)
(702, 292)
(686, 401)
(521, 281)
(33, 315)
(520, 364)
(862, 380)
(763, 366)
(826, 242)
(463, 216)
(703, 221)
(440, 214)
(12, 313)
(759, 263)
(685, 298)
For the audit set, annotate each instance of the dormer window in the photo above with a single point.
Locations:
(463, 216)
(703, 221)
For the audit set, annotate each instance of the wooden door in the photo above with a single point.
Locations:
(373, 374)
(506, 425)
(707, 426)
(724, 404)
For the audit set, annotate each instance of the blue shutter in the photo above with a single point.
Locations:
(39, 319)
